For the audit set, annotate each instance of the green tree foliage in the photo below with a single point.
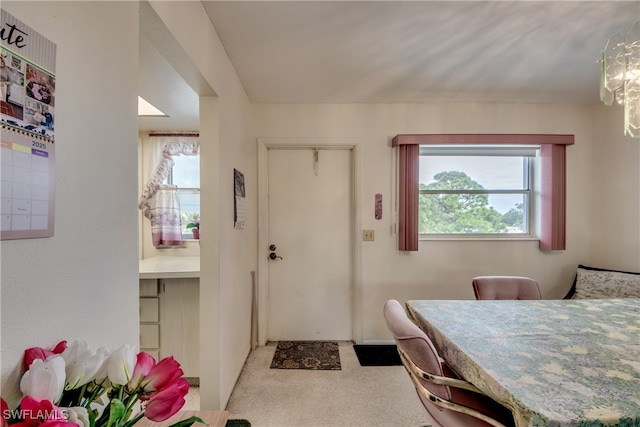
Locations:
(457, 213)
(515, 216)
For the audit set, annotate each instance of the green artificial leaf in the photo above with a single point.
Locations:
(92, 417)
(131, 422)
(116, 412)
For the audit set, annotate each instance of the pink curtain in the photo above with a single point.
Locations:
(408, 197)
(554, 193)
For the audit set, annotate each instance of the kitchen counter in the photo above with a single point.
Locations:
(170, 267)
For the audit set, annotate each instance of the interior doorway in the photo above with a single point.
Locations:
(309, 247)
(310, 267)
(169, 79)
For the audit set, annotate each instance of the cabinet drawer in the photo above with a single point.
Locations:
(149, 310)
(148, 287)
(149, 336)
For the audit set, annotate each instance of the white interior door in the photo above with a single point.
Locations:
(310, 226)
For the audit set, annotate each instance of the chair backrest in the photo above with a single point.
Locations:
(448, 400)
(416, 344)
(505, 287)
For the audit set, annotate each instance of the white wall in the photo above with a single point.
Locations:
(227, 255)
(616, 204)
(81, 284)
(444, 269)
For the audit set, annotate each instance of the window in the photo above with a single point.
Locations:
(475, 190)
(172, 166)
(185, 174)
(552, 177)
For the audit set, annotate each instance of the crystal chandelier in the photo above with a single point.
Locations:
(620, 77)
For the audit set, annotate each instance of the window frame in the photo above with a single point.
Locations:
(185, 190)
(489, 150)
(552, 233)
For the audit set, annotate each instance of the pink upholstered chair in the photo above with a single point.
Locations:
(505, 287)
(449, 401)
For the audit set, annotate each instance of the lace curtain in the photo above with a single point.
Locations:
(160, 202)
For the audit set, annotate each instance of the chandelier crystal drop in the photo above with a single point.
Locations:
(620, 77)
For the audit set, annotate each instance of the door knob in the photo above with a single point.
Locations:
(273, 255)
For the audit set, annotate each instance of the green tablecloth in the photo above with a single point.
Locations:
(554, 362)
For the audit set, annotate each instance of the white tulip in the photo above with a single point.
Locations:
(121, 364)
(72, 350)
(45, 379)
(82, 365)
(78, 415)
(103, 371)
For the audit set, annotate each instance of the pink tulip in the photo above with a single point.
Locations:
(145, 362)
(165, 372)
(34, 353)
(58, 423)
(60, 347)
(6, 414)
(47, 423)
(41, 413)
(39, 410)
(167, 401)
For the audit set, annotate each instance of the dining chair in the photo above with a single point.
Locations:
(448, 400)
(505, 287)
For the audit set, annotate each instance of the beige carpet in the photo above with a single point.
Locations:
(356, 396)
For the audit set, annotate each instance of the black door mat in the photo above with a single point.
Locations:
(377, 354)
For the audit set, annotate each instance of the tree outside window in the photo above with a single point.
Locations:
(453, 202)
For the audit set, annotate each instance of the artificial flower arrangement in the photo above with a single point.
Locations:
(75, 385)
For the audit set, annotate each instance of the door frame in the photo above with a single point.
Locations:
(264, 144)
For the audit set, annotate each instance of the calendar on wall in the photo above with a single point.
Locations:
(27, 156)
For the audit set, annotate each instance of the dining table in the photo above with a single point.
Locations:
(573, 362)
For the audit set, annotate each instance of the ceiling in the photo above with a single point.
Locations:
(419, 51)
(162, 86)
(163, 71)
(396, 51)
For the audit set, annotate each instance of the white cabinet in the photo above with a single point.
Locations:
(169, 321)
(180, 322)
(149, 317)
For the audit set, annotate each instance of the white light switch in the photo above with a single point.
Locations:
(368, 235)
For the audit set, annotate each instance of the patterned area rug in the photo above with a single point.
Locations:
(318, 355)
